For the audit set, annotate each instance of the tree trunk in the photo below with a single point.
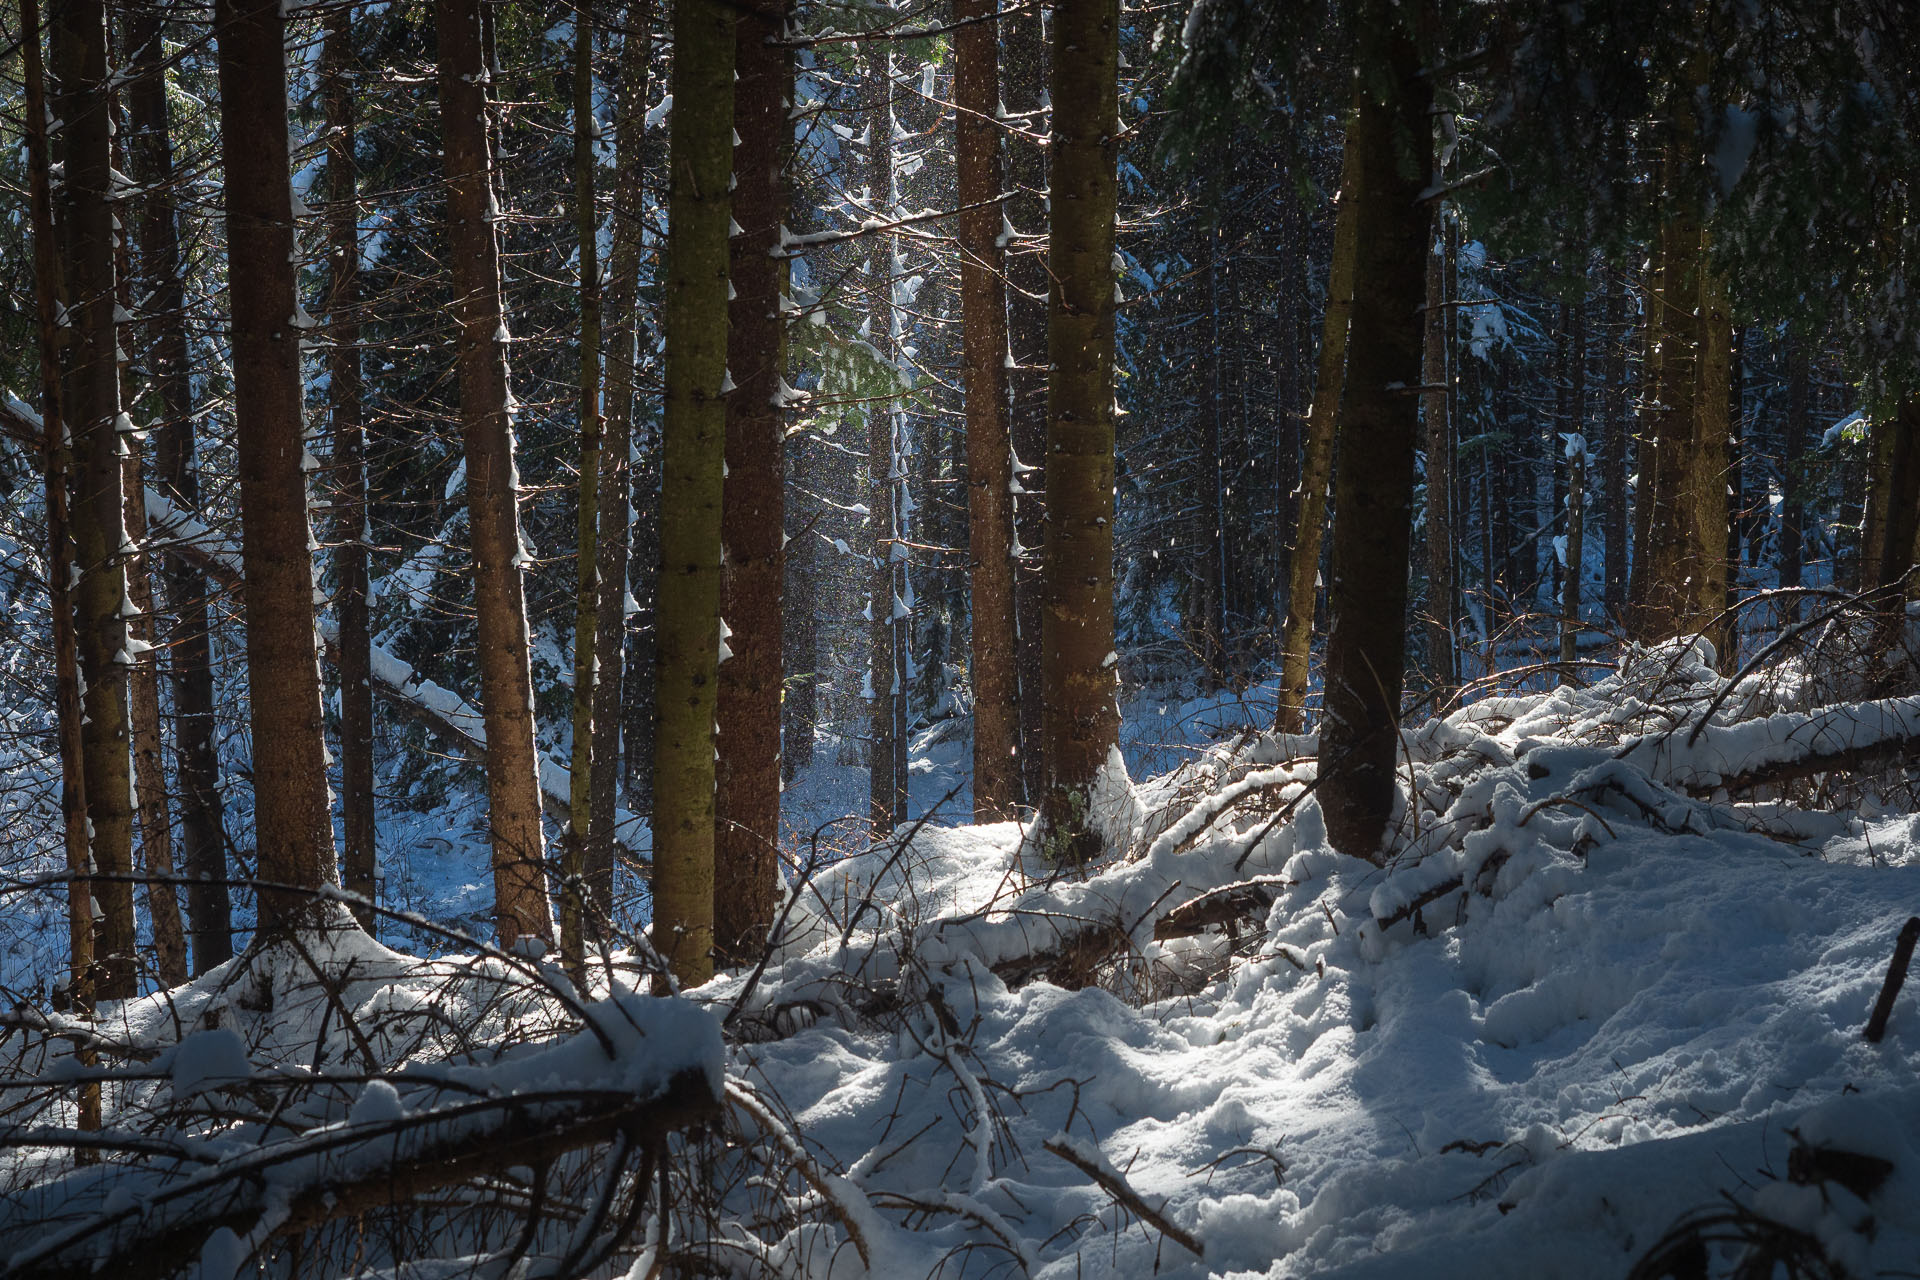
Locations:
(359, 859)
(616, 463)
(1576, 549)
(293, 828)
(1316, 460)
(1080, 717)
(577, 909)
(90, 399)
(1712, 430)
(694, 459)
(1213, 558)
(1793, 469)
(885, 749)
(1434, 383)
(1613, 448)
(746, 885)
(983, 305)
(506, 681)
(68, 710)
(1366, 647)
(1024, 91)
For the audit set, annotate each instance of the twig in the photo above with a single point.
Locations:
(1896, 978)
(1116, 1186)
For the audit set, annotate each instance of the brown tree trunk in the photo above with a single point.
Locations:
(1373, 523)
(1212, 626)
(90, 400)
(885, 746)
(1435, 381)
(68, 710)
(1078, 669)
(353, 652)
(189, 643)
(1708, 489)
(1614, 444)
(577, 911)
(1576, 548)
(293, 829)
(1024, 67)
(1316, 459)
(1792, 469)
(693, 464)
(616, 469)
(506, 681)
(746, 863)
(983, 304)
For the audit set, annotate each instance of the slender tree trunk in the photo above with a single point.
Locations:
(359, 860)
(1213, 559)
(47, 292)
(1366, 647)
(1080, 717)
(90, 399)
(1708, 490)
(983, 303)
(1023, 42)
(506, 681)
(886, 806)
(1793, 470)
(694, 458)
(294, 830)
(1316, 461)
(189, 642)
(1576, 549)
(616, 464)
(1439, 441)
(577, 910)
(1613, 449)
(746, 886)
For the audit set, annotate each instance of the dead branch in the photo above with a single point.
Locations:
(1114, 1185)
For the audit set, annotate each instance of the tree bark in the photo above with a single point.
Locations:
(746, 886)
(189, 642)
(886, 675)
(983, 304)
(506, 681)
(1080, 717)
(1708, 491)
(1576, 548)
(1366, 646)
(294, 830)
(577, 909)
(694, 459)
(1793, 468)
(1316, 458)
(1212, 627)
(90, 399)
(616, 463)
(1434, 381)
(68, 709)
(353, 659)
(1613, 449)
(1023, 89)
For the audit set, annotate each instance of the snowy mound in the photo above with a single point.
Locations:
(1589, 993)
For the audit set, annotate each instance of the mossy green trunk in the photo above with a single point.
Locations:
(693, 463)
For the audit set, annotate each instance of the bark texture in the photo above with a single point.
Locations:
(1434, 405)
(693, 458)
(353, 650)
(1316, 450)
(203, 856)
(753, 519)
(90, 400)
(1078, 666)
(1373, 525)
(983, 304)
(886, 737)
(294, 830)
(506, 681)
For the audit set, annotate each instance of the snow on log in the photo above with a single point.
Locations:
(1782, 747)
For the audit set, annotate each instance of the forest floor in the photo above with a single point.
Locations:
(1592, 998)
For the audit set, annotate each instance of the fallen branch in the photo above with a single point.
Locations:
(1225, 905)
(1896, 978)
(1110, 1181)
